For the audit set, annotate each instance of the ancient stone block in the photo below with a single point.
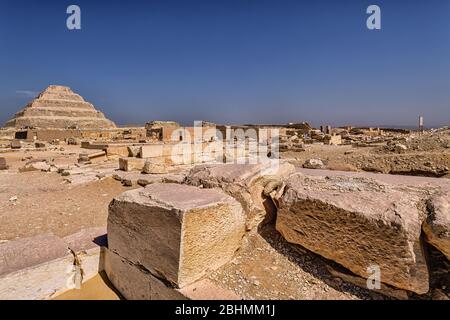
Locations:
(176, 232)
(384, 289)
(134, 151)
(87, 245)
(130, 164)
(34, 268)
(151, 167)
(437, 225)
(117, 150)
(359, 223)
(136, 283)
(39, 144)
(16, 144)
(3, 165)
(247, 183)
(152, 151)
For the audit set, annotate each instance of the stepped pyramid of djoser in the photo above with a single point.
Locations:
(59, 107)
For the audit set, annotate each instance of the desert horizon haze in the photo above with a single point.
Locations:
(234, 61)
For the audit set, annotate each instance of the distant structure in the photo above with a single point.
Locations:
(325, 129)
(421, 127)
(58, 107)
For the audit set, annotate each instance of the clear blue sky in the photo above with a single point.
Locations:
(234, 61)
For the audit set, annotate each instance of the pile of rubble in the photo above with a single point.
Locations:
(182, 233)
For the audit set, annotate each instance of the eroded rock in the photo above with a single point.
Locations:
(358, 223)
(250, 184)
(437, 225)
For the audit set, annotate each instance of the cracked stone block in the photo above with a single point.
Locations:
(437, 225)
(247, 183)
(34, 268)
(87, 245)
(176, 232)
(135, 283)
(358, 223)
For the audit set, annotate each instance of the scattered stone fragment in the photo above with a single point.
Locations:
(313, 164)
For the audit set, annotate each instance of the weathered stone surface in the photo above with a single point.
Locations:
(59, 107)
(87, 245)
(358, 223)
(3, 165)
(151, 167)
(313, 164)
(134, 151)
(36, 165)
(34, 268)
(121, 151)
(143, 179)
(177, 232)
(250, 184)
(361, 282)
(130, 164)
(134, 282)
(437, 225)
(16, 144)
(153, 151)
(137, 283)
(39, 144)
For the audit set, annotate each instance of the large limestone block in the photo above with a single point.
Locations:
(34, 268)
(177, 232)
(250, 184)
(130, 164)
(136, 283)
(437, 225)
(359, 223)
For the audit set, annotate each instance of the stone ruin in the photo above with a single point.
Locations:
(58, 107)
(166, 237)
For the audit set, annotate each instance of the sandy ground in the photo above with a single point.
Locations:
(97, 288)
(46, 204)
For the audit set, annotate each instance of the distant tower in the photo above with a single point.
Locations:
(421, 124)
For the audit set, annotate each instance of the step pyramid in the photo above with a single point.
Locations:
(59, 107)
